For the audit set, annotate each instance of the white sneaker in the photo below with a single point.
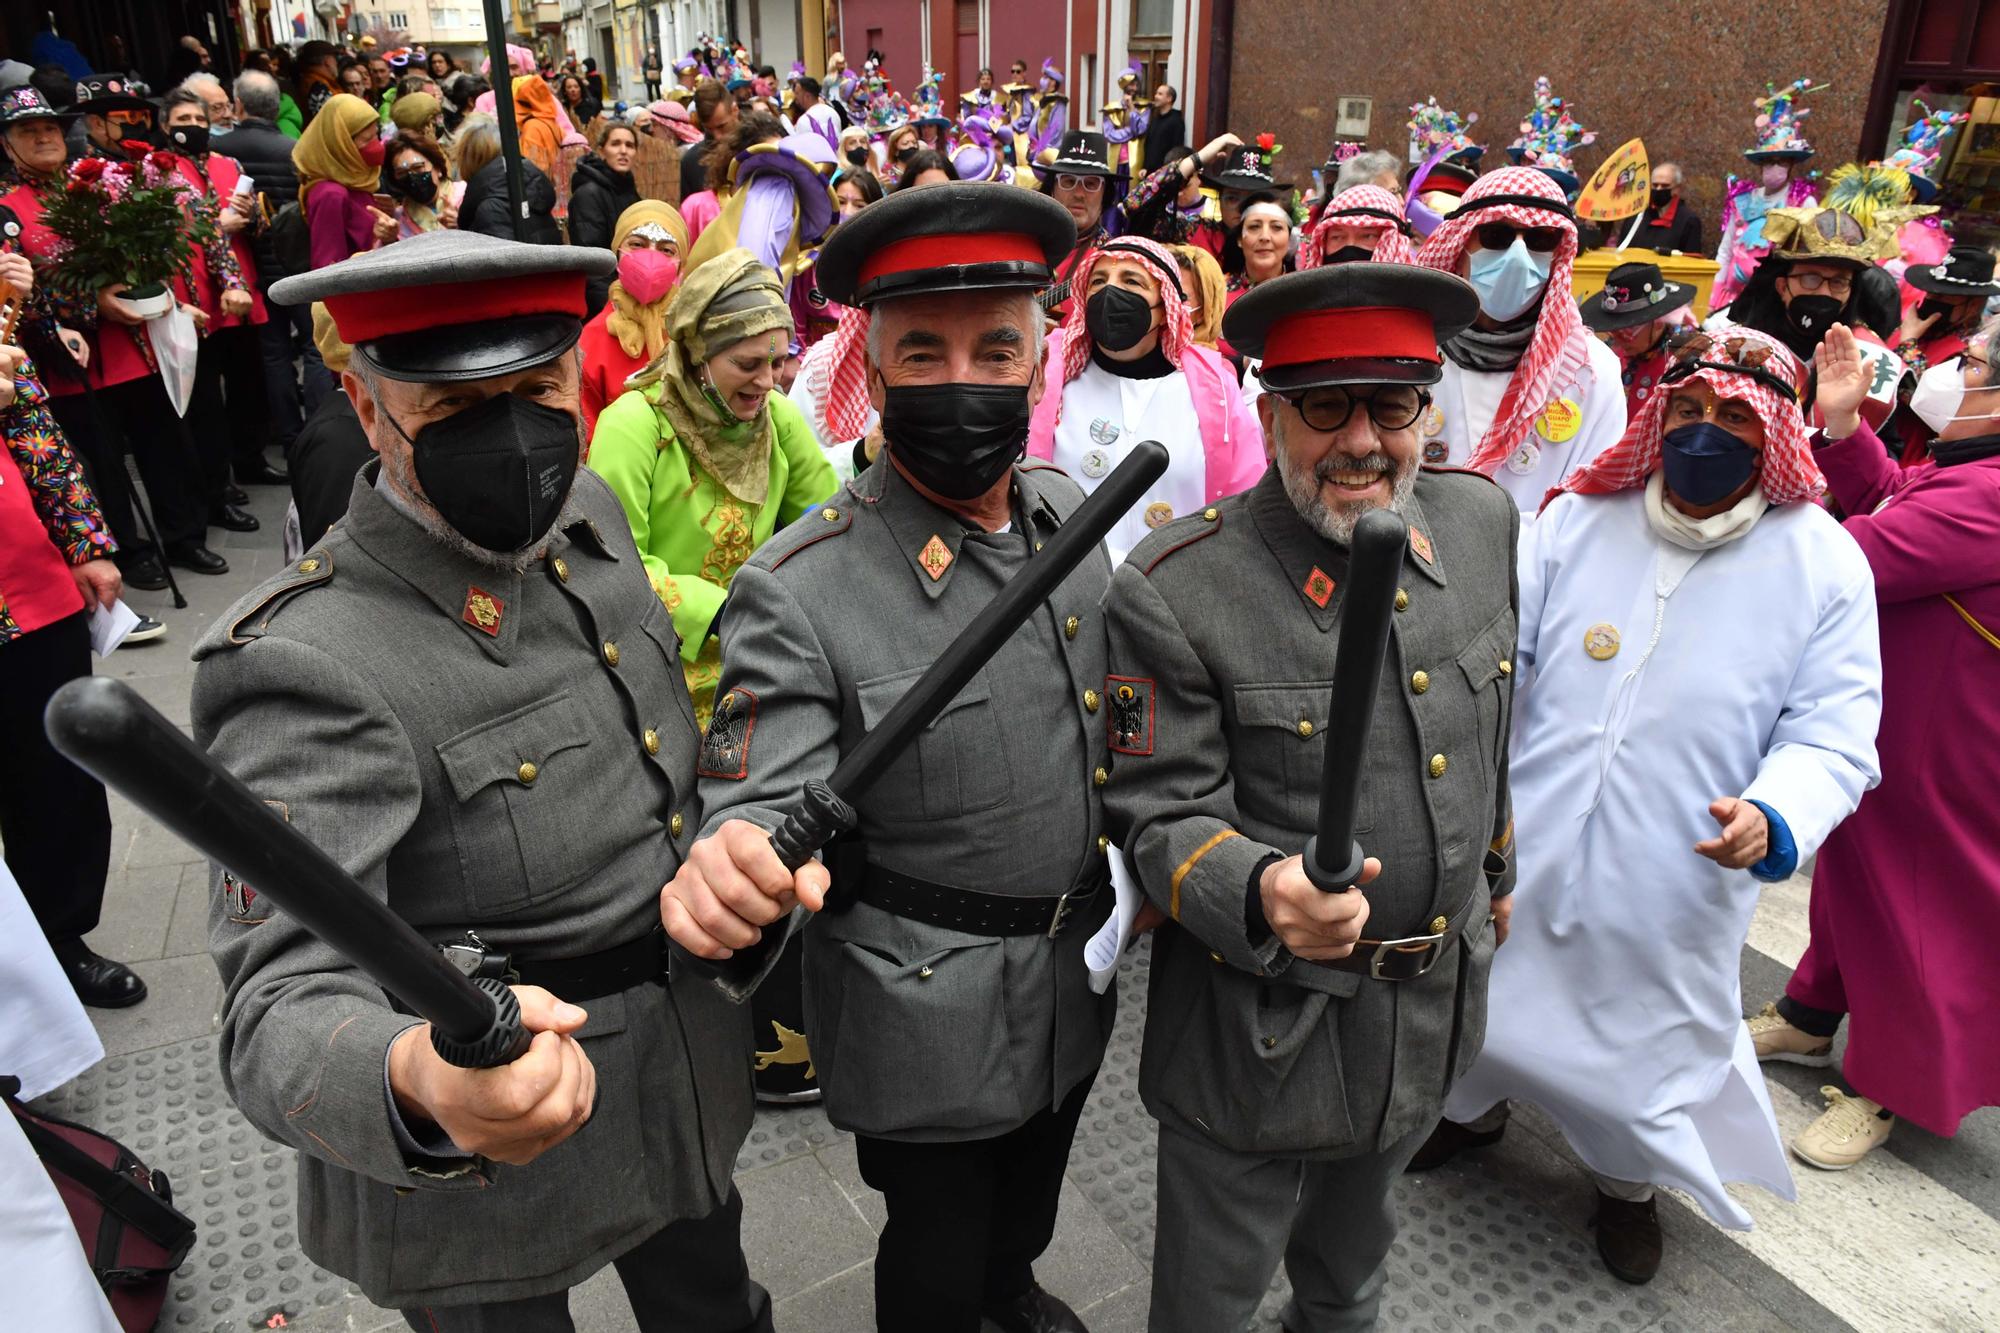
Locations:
(145, 631)
(1775, 1039)
(1848, 1130)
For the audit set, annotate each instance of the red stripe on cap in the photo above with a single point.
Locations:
(1360, 331)
(951, 250)
(365, 316)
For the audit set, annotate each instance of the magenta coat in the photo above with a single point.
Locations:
(1906, 896)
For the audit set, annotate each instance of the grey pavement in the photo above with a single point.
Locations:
(1909, 1240)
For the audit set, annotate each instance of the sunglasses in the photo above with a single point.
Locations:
(1500, 236)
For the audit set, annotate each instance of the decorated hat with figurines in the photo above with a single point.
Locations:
(1433, 127)
(1549, 135)
(1251, 167)
(1854, 225)
(1922, 145)
(1779, 118)
(928, 105)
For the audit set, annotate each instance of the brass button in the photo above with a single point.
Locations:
(1438, 924)
(830, 515)
(610, 653)
(924, 972)
(1101, 776)
(1214, 957)
(1090, 701)
(676, 824)
(1210, 514)
(1071, 626)
(1438, 764)
(527, 772)
(651, 740)
(1305, 727)
(1506, 667)
(727, 702)
(1103, 845)
(1402, 599)
(1419, 681)
(308, 566)
(1270, 1042)
(561, 567)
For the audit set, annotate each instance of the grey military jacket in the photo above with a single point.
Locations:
(918, 1031)
(1223, 627)
(512, 753)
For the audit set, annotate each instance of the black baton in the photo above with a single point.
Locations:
(117, 737)
(1375, 559)
(825, 809)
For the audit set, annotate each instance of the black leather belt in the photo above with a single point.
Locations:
(969, 910)
(606, 972)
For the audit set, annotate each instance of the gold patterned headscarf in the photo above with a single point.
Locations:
(719, 304)
(642, 329)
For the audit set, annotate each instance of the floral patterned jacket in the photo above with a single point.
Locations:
(62, 498)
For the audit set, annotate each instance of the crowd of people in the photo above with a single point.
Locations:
(1692, 578)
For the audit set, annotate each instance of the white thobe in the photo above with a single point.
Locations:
(1615, 1004)
(1463, 404)
(1104, 416)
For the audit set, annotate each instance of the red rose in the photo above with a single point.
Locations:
(1267, 141)
(160, 160)
(87, 169)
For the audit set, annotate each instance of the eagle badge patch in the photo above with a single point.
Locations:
(1131, 714)
(725, 746)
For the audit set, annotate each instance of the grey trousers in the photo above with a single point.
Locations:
(1227, 1218)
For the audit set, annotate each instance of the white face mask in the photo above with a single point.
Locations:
(1509, 281)
(1940, 394)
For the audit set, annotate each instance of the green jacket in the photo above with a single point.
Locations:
(290, 119)
(693, 534)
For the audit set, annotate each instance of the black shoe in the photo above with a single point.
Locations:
(235, 495)
(1034, 1311)
(1447, 1141)
(143, 571)
(261, 473)
(195, 556)
(232, 519)
(1628, 1238)
(99, 982)
(146, 631)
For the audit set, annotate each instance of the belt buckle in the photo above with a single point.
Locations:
(1427, 944)
(1059, 919)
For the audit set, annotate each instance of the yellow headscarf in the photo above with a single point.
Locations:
(326, 151)
(326, 337)
(719, 304)
(414, 111)
(642, 329)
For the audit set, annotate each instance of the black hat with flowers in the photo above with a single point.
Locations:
(1250, 167)
(97, 94)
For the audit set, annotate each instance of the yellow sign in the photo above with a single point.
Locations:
(1618, 188)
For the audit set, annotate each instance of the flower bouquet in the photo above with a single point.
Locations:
(125, 222)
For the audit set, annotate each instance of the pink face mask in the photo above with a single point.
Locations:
(373, 152)
(1776, 174)
(647, 275)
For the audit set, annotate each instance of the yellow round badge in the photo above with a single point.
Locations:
(1560, 421)
(1601, 641)
(1159, 514)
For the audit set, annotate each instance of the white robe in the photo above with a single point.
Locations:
(1615, 1002)
(1462, 408)
(1104, 416)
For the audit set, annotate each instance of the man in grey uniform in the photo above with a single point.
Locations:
(1299, 1043)
(952, 1025)
(468, 695)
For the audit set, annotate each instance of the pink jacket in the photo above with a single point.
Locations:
(1231, 438)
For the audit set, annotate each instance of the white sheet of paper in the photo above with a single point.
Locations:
(109, 628)
(1103, 950)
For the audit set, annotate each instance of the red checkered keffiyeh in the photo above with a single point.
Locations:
(1176, 333)
(843, 393)
(1392, 247)
(1788, 471)
(1560, 348)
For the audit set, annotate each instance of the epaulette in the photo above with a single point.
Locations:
(1462, 471)
(1205, 524)
(815, 525)
(312, 570)
(1034, 464)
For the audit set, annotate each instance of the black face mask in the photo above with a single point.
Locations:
(1705, 463)
(1934, 307)
(418, 185)
(857, 154)
(1813, 314)
(497, 472)
(189, 140)
(1348, 254)
(956, 439)
(1662, 196)
(1117, 318)
(906, 154)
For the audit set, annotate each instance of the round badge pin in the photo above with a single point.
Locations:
(1433, 420)
(1096, 463)
(1525, 459)
(1159, 514)
(1103, 431)
(1436, 451)
(1600, 641)
(1560, 421)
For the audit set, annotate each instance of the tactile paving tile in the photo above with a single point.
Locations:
(168, 1106)
(780, 1133)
